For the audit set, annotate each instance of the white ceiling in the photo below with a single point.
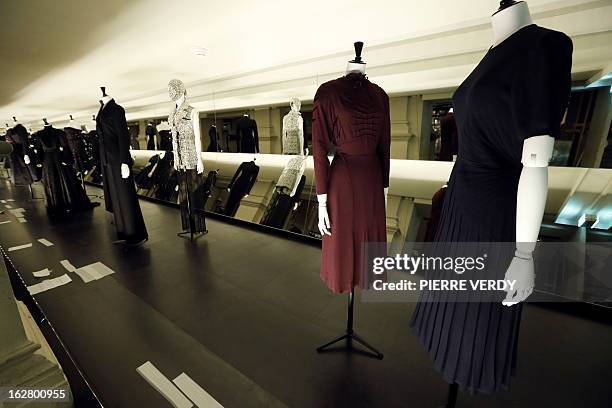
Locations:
(56, 54)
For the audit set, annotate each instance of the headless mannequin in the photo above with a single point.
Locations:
(125, 169)
(195, 121)
(324, 222)
(533, 183)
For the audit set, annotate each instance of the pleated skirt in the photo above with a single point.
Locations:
(471, 343)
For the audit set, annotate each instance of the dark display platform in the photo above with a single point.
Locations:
(241, 312)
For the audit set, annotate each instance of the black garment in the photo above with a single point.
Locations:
(165, 140)
(144, 178)
(191, 203)
(448, 138)
(205, 189)
(606, 158)
(150, 131)
(22, 173)
(282, 205)
(213, 146)
(93, 154)
(520, 89)
(134, 131)
(119, 193)
(77, 147)
(434, 218)
(240, 186)
(63, 190)
(248, 137)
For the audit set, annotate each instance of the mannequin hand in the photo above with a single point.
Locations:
(26, 159)
(125, 171)
(521, 271)
(324, 224)
(200, 166)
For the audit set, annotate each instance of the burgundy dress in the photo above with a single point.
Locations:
(352, 114)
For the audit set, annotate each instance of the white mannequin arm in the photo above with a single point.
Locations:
(532, 190)
(195, 119)
(530, 202)
(324, 224)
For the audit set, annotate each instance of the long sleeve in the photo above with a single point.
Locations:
(254, 174)
(67, 155)
(321, 135)
(256, 136)
(383, 150)
(301, 134)
(123, 136)
(236, 174)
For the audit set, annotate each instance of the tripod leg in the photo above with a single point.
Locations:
(365, 344)
(326, 345)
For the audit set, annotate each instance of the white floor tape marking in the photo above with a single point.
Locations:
(162, 384)
(18, 247)
(10, 200)
(4, 222)
(86, 273)
(49, 284)
(194, 392)
(42, 273)
(45, 242)
(69, 267)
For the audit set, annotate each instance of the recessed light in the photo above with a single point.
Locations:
(199, 51)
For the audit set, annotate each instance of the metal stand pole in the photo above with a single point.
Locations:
(350, 335)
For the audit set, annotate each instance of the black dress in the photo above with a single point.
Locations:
(240, 186)
(119, 193)
(248, 137)
(165, 140)
(213, 146)
(63, 190)
(77, 147)
(22, 173)
(519, 89)
(150, 131)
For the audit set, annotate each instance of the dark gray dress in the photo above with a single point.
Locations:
(519, 89)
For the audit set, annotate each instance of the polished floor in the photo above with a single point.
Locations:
(241, 312)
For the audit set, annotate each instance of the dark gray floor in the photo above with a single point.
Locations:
(242, 312)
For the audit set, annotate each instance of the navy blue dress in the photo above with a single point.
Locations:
(520, 89)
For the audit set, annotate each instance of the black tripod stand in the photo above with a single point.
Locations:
(193, 235)
(351, 336)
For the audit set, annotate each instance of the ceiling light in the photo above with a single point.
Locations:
(199, 51)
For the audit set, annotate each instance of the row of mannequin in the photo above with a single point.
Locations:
(245, 132)
(507, 111)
